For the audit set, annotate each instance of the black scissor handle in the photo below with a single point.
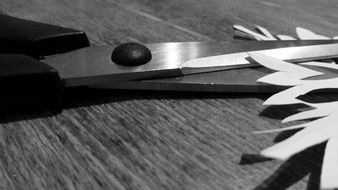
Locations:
(28, 84)
(37, 39)
(25, 82)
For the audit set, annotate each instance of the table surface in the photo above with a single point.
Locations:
(158, 140)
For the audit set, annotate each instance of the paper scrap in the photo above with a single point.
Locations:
(266, 35)
(305, 34)
(280, 129)
(266, 32)
(256, 35)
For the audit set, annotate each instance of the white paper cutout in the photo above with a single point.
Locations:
(281, 78)
(330, 165)
(323, 127)
(278, 65)
(308, 115)
(314, 132)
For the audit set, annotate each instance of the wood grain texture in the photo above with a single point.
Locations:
(151, 140)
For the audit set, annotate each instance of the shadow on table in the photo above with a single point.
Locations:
(83, 97)
(293, 170)
(102, 96)
(305, 163)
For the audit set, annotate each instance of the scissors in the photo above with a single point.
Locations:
(38, 62)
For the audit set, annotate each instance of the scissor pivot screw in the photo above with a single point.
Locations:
(131, 54)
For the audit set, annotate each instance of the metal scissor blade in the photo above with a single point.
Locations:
(93, 65)
(228, 81)
(239, 60)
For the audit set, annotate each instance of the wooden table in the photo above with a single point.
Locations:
(158, 140)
